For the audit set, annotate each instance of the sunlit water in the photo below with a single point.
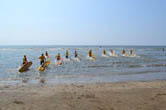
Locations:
(149, 64)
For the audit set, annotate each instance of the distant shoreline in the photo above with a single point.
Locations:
(84, 45)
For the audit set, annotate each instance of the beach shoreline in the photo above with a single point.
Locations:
(133, 95)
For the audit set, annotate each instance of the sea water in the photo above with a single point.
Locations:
(148, 64)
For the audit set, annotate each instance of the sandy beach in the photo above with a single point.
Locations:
(149, 95)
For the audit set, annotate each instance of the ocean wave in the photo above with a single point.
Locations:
(99, 66)
(148, 65)
(157, 65)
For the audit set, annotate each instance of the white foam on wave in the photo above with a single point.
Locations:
(113, 55)
(90, 58)
(104, 55)
(58, 63)
(76, 59)
(66, 59)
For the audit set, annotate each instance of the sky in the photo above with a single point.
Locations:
(82, 22)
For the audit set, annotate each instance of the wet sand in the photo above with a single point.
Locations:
(98, 96)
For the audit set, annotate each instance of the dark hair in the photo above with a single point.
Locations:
(46, 53)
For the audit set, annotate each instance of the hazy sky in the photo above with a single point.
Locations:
(83, 22)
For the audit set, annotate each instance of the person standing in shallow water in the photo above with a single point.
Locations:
(104, 52)
(131, 52)
(67, 54)
(42, 59)
(75, 53)
(123, 52)
(24, 60)
(46, 54)
(90, 53)
(58, 57)
(112, 52)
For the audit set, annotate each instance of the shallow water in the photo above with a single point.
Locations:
(149, 64)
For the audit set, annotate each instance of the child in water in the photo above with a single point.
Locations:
(67, 54)
(46, 55)
(112, 53)
(131, 52)
(24, 60)
(42, 59)
(76, 55)
(104, 52)
(90, 53)
(58, 58)
(123, 52)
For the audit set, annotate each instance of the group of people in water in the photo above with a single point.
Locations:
(112, 53)
(43, 58)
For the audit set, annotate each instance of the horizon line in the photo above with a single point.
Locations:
(75, 45)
